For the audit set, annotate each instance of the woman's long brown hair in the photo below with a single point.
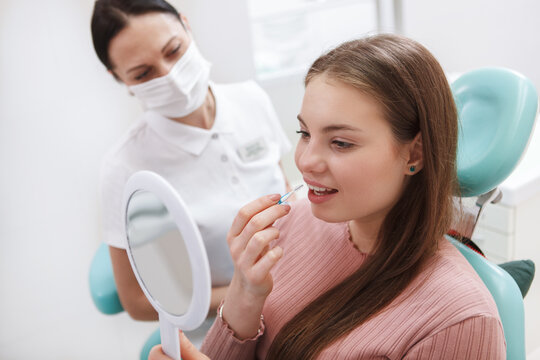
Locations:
(414, 93)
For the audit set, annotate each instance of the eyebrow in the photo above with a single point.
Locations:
(135, 68)
(167, 44)
(162, 50)
(331, 128)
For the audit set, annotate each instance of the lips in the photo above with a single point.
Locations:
(319, 193)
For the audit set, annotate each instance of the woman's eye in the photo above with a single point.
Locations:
(174, 51)
(303, 134)
(342, 144)
(142, 75)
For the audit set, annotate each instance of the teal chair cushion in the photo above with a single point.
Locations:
(507, 296)
(102, 285)
(522, 271)
(105, 296)
(153, 340)
(497, 109)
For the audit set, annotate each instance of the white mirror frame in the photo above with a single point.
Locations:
(200, 269)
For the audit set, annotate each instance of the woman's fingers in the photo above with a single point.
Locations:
(258, 222)
(265, 250)
(257, 246)
(248, 211)
(261, 269)
(249, 240)
(264, 219)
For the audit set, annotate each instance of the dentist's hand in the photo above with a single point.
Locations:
(249, 239)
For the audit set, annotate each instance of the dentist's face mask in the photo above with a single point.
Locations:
(181, 91)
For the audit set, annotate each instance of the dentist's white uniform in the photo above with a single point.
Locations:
(215, 171)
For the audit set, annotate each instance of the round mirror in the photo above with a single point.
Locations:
(159, 252)
(167, 255)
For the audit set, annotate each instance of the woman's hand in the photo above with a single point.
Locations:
(249, 239)
(187, 349)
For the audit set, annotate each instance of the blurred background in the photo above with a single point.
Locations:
(60, 111)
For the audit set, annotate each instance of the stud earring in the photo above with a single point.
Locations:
(412, 168)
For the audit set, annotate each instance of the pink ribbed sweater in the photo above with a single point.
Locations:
(446, 313)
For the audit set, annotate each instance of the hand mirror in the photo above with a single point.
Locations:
(167, 255)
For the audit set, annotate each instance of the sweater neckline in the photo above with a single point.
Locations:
(348, 239)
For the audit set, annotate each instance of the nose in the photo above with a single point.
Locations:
(164, 67)
(310, 158)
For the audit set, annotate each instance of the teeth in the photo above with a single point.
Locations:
(318, 189)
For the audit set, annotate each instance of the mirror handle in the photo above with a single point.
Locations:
(170, 342)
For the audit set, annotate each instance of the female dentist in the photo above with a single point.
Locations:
(218, 145)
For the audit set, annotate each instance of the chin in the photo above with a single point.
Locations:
(327, 215)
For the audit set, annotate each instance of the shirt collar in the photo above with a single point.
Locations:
(189, 138)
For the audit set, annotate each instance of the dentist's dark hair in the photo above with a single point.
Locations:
(414, 94)
(111, 16)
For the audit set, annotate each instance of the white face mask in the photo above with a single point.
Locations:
(181, 91)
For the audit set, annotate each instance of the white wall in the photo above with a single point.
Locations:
(465, 34)
(223, 34)
(59, 112)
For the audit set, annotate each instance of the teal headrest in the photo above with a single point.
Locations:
(497, 109)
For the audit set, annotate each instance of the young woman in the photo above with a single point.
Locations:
(362, 270)
(218, 145)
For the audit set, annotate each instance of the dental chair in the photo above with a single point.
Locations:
(497, 109)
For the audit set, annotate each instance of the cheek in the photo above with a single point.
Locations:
(373, 178)
(298, 153)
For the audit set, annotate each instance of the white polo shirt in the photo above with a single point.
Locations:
(215, 171)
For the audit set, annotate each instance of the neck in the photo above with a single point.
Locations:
(204, 116)
(364, 234)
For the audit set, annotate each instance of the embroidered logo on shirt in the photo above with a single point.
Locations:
(253, 150)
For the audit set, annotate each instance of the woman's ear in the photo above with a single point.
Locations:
(185, 22)
(416, 155)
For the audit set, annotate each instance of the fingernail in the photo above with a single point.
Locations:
(274, 197)
(286, 206)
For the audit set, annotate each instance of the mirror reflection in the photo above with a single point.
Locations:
(159, 252)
